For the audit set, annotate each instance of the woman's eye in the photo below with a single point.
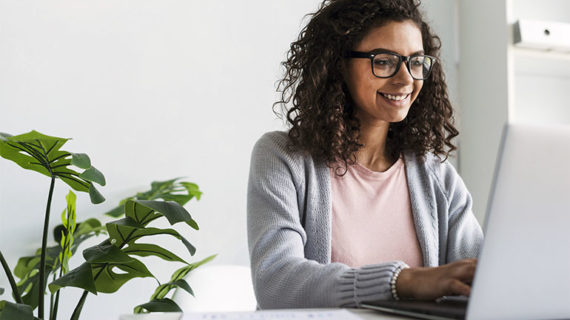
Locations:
(417, 62)
(380, 62)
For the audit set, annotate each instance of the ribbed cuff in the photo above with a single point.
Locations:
(368, 283)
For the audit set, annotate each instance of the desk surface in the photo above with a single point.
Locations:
(363, 314)
(366, 314)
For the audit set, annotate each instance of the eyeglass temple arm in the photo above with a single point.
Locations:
(358, 54)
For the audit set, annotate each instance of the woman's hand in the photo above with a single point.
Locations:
(431, 283)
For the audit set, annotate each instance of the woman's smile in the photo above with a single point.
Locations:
(396, 99)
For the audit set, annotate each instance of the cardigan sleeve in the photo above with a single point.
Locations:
(282, 275)
(465, 237)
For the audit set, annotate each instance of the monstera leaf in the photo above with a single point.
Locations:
(27, 268)
(170, 190)
(100, 272)
(41, 153)
(13, 311)
(159, 302)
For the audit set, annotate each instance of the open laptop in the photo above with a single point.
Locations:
(523, 271)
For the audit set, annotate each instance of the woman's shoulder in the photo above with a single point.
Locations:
(276, 145)
(433, 167)
(274, 139)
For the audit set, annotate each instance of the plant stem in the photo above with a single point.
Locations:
(43, 256)
(11, 279)
(55, 306)
(81, 302)
(51, 301)
(79, 306)
(53, 313)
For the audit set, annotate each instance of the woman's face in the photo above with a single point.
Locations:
(383, 100)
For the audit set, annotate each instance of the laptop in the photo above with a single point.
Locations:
(523, 271)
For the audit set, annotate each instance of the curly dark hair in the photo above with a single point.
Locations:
(322, 113)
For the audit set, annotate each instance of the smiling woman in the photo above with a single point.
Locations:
(356, 201)
(384, 93)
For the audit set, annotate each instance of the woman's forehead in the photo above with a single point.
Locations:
(403, 37)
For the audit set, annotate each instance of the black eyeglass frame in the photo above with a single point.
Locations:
(371, 54)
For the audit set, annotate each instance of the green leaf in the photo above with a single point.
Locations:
(88, 226)
(145, 250)
(105, 253)
(1, 290)
(93, 175)
(25, 265)
(105, 259)
(161, 305)
(27, 268)
(142, 215)
(184, 271)
(80, 277)
(170, 190)
(145, 211)
(28, 286)
(192, 189)
(68, 218)
(111, 279)
(13, 311)
(41, 153)
(182, 284)
(164, 289)
(125, 231)
(177, 281)
(116, 212)
(106, 270)
(80, 160)
(193, 224)
(95, 196)
(32, 150)
(173, 212)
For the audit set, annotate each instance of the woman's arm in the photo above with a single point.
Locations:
(463, 239)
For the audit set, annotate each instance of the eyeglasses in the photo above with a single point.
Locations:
(385, 64)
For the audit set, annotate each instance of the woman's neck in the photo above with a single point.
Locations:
(374, 154)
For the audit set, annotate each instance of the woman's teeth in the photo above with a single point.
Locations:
(395, 98)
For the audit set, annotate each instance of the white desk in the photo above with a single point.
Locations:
(360, 313)
(366, 314)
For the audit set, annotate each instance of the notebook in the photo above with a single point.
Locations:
(523, 270)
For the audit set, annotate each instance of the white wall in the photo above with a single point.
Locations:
(151, 90)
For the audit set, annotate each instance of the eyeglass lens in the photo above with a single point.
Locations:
(385, 65)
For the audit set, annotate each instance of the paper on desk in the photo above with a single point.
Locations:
(274, 315)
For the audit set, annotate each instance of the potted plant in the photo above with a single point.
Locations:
(125, 238)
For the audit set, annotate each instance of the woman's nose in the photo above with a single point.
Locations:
(403, 75)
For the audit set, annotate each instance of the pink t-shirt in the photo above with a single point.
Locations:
(372, 217)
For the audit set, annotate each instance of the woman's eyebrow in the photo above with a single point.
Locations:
(391, 51)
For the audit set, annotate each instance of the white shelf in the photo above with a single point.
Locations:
(500, 83)
(541, 63)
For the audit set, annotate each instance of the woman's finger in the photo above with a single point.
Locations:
(466, 273)
(457, 287)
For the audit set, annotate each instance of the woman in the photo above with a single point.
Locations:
(356, 201)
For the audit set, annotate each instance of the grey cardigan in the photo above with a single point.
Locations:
(289, 228)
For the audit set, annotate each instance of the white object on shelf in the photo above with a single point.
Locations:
(547, 35)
